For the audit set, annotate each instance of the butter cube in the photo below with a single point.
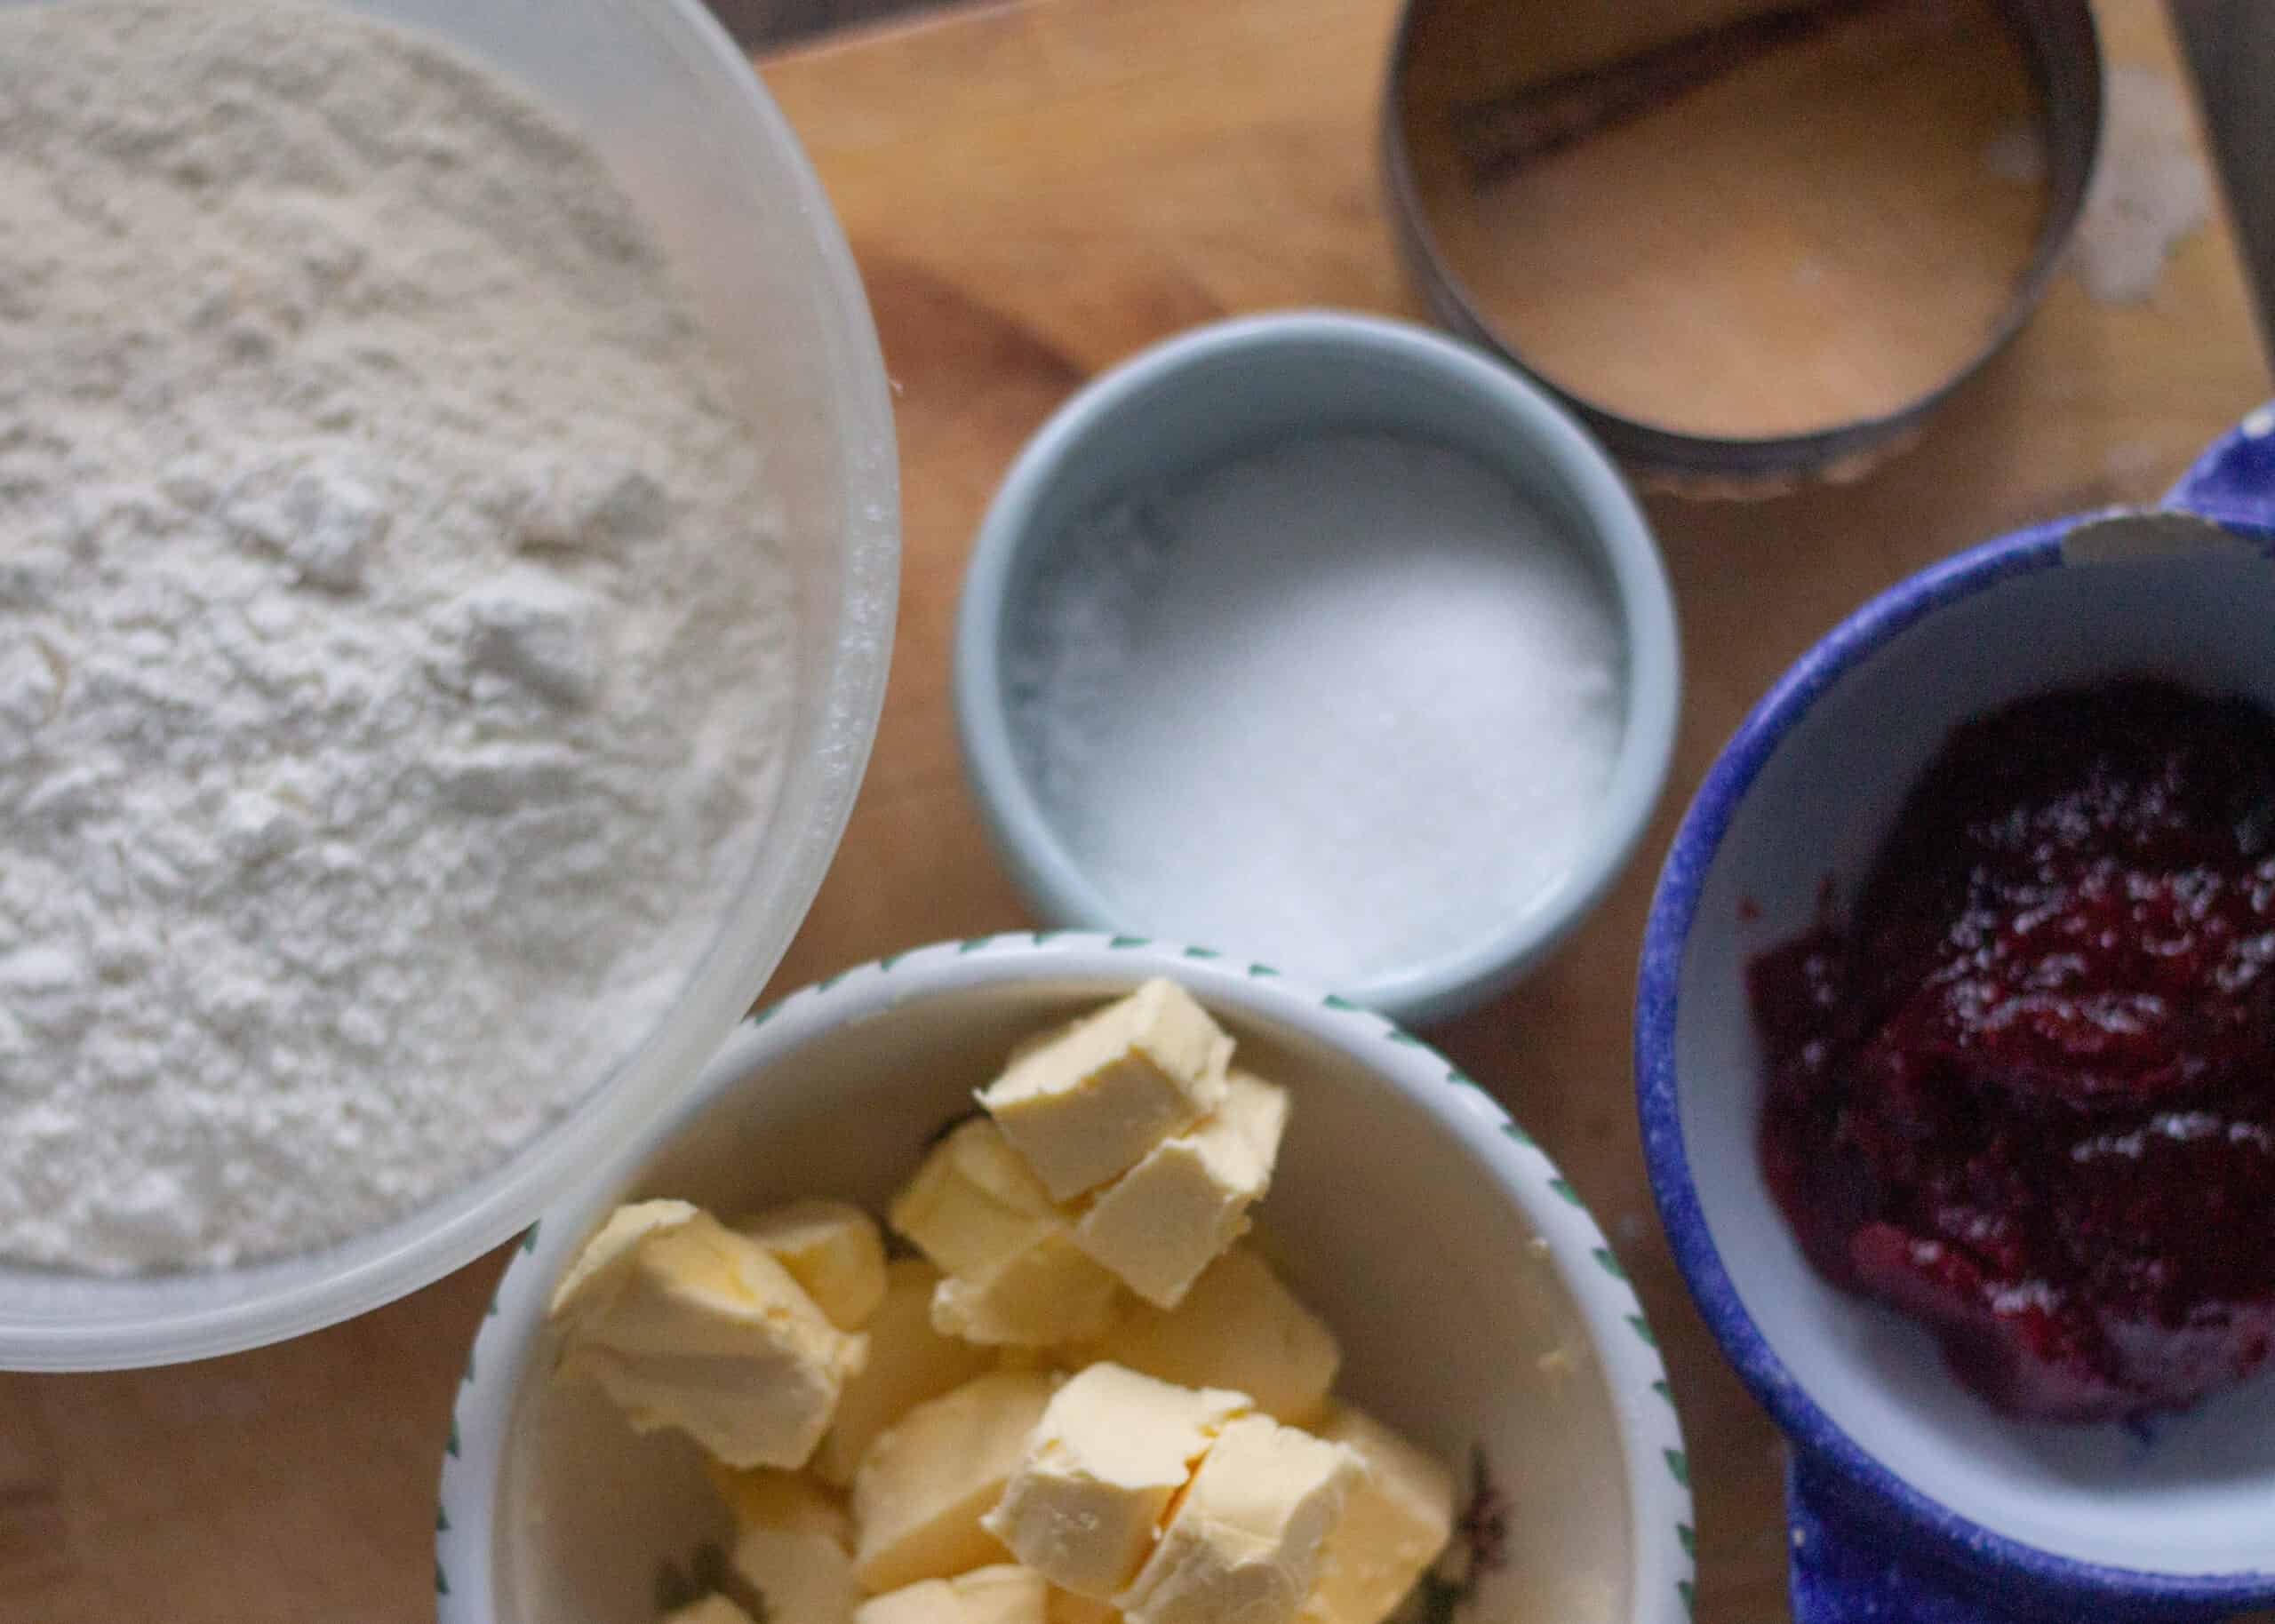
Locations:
(998, 1594)
(710, 1609)
(1086, 1105)
(764, 1497)
(1064, 1607)
(926, 1480)
(685, 1323)
(909, 1362)
(1048, 1293)
(831, 1248)
(1167, 1218)
(1395, 1523)
(1015, 1275)
(602, 1267)
(1113, 1449)
(792, 1546)
(1238, 1326)
(1244, 1540)
(972, 1202)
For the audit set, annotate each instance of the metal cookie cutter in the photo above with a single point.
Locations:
(1533, 119)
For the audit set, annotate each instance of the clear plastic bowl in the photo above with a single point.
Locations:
(708, 157)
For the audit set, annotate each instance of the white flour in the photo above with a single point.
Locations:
(1345, 706)
(2150, 191)
(394, 651)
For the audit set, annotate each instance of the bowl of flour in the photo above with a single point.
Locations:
(447, 565)
(1324, 642)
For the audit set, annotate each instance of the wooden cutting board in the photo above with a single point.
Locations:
(1035, 190)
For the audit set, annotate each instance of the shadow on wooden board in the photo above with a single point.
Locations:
(773, 22)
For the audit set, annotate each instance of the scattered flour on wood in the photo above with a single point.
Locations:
(2151, 191)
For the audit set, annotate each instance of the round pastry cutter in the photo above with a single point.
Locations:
(1753, 242)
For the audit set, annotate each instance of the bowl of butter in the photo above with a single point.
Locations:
(1060, 1278)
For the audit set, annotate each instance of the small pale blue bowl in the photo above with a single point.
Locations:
(1909, 1499)
(1231, 388)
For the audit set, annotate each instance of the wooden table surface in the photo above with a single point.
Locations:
(1035, 190)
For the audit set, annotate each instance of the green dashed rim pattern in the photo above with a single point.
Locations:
(1658, 1469)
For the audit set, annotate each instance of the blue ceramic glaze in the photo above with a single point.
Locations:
(1871, 1542)
(1850, 1567)
(2234, 481)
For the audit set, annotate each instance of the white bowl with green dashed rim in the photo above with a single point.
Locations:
(1480, 1308)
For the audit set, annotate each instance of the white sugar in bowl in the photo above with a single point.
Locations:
(1324, 640)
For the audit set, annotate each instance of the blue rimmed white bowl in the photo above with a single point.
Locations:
(1479, 1306)
(1911, 1499)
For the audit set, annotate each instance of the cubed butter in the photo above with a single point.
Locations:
(1048, 1293)
(1065, 1607)
(765, 1497)
(710, 1609)
(972, 1202)
(800, 1576)
(1244, 1540)
(1239, 1327)
(687, 1325)
(1111, 1452)
(1167, 1218)
(1002, 1594)
(1085, 1106)
(1015, 1276)
(928, 1480)
(605, 1263)
(793, 1547)
(831, 1248)
(909, 1362)
(1396, 1520)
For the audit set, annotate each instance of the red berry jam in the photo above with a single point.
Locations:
(2026, 1090)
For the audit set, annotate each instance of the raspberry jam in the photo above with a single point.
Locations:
(2026, 1090)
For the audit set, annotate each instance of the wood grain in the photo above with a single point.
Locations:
(1034, 191)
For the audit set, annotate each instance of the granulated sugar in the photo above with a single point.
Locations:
(394, 651)
(1345, 706)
